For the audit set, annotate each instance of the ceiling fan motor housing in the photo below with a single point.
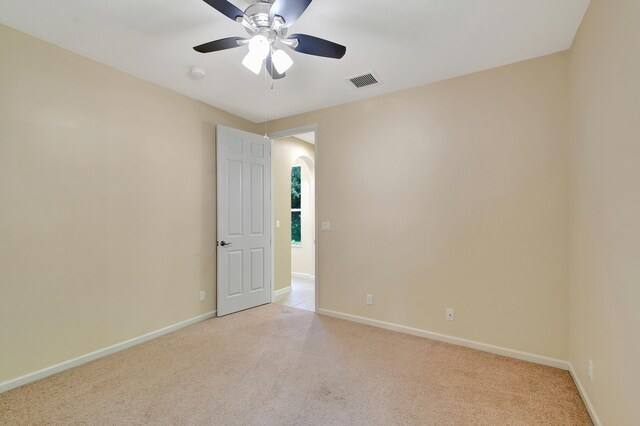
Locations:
(258, 13)
(262, 23)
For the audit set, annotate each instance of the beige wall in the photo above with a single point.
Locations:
(303, 254)
(284, 154)
(605, 237)
(454, 195)
(107, 205)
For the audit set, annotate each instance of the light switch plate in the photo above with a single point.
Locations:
(326, 226)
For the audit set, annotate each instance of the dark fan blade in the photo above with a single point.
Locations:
(318, 46)
(289, 10)
(222, 44)
(226, 8)
(272, 69)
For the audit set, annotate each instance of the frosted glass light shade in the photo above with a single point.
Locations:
(260, 46)
(281, 61)
(252, 62)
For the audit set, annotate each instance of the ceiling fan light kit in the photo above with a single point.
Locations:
(267, 24)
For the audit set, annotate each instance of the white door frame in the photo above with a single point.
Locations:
(280, 135)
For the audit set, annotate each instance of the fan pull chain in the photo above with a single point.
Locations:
(266, 137)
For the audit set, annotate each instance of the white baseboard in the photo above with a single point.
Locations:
(302, 275)
(282, 291)
(45, 372)
(512, 353)
(585, 397)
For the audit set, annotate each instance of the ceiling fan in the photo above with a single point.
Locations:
(267, 23)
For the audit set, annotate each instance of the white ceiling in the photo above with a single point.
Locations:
(407, 43)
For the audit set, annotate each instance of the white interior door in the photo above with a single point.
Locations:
(244, 225)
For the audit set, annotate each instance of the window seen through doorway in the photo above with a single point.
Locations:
(296, 205)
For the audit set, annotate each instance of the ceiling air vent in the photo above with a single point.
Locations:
(364, 80)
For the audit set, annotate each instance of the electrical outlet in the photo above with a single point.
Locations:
(449, 314)
(203, 295)
(369, 299)
(590, 370)
(325, 226)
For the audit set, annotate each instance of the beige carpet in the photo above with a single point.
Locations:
(281, 365)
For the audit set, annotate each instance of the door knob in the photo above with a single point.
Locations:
(224, 243)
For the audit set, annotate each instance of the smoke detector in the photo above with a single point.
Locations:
(197, 73)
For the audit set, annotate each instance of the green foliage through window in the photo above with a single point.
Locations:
(296, 205)
(296, 187)
(296, 225)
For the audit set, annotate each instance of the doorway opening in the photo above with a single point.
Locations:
(293, 170)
